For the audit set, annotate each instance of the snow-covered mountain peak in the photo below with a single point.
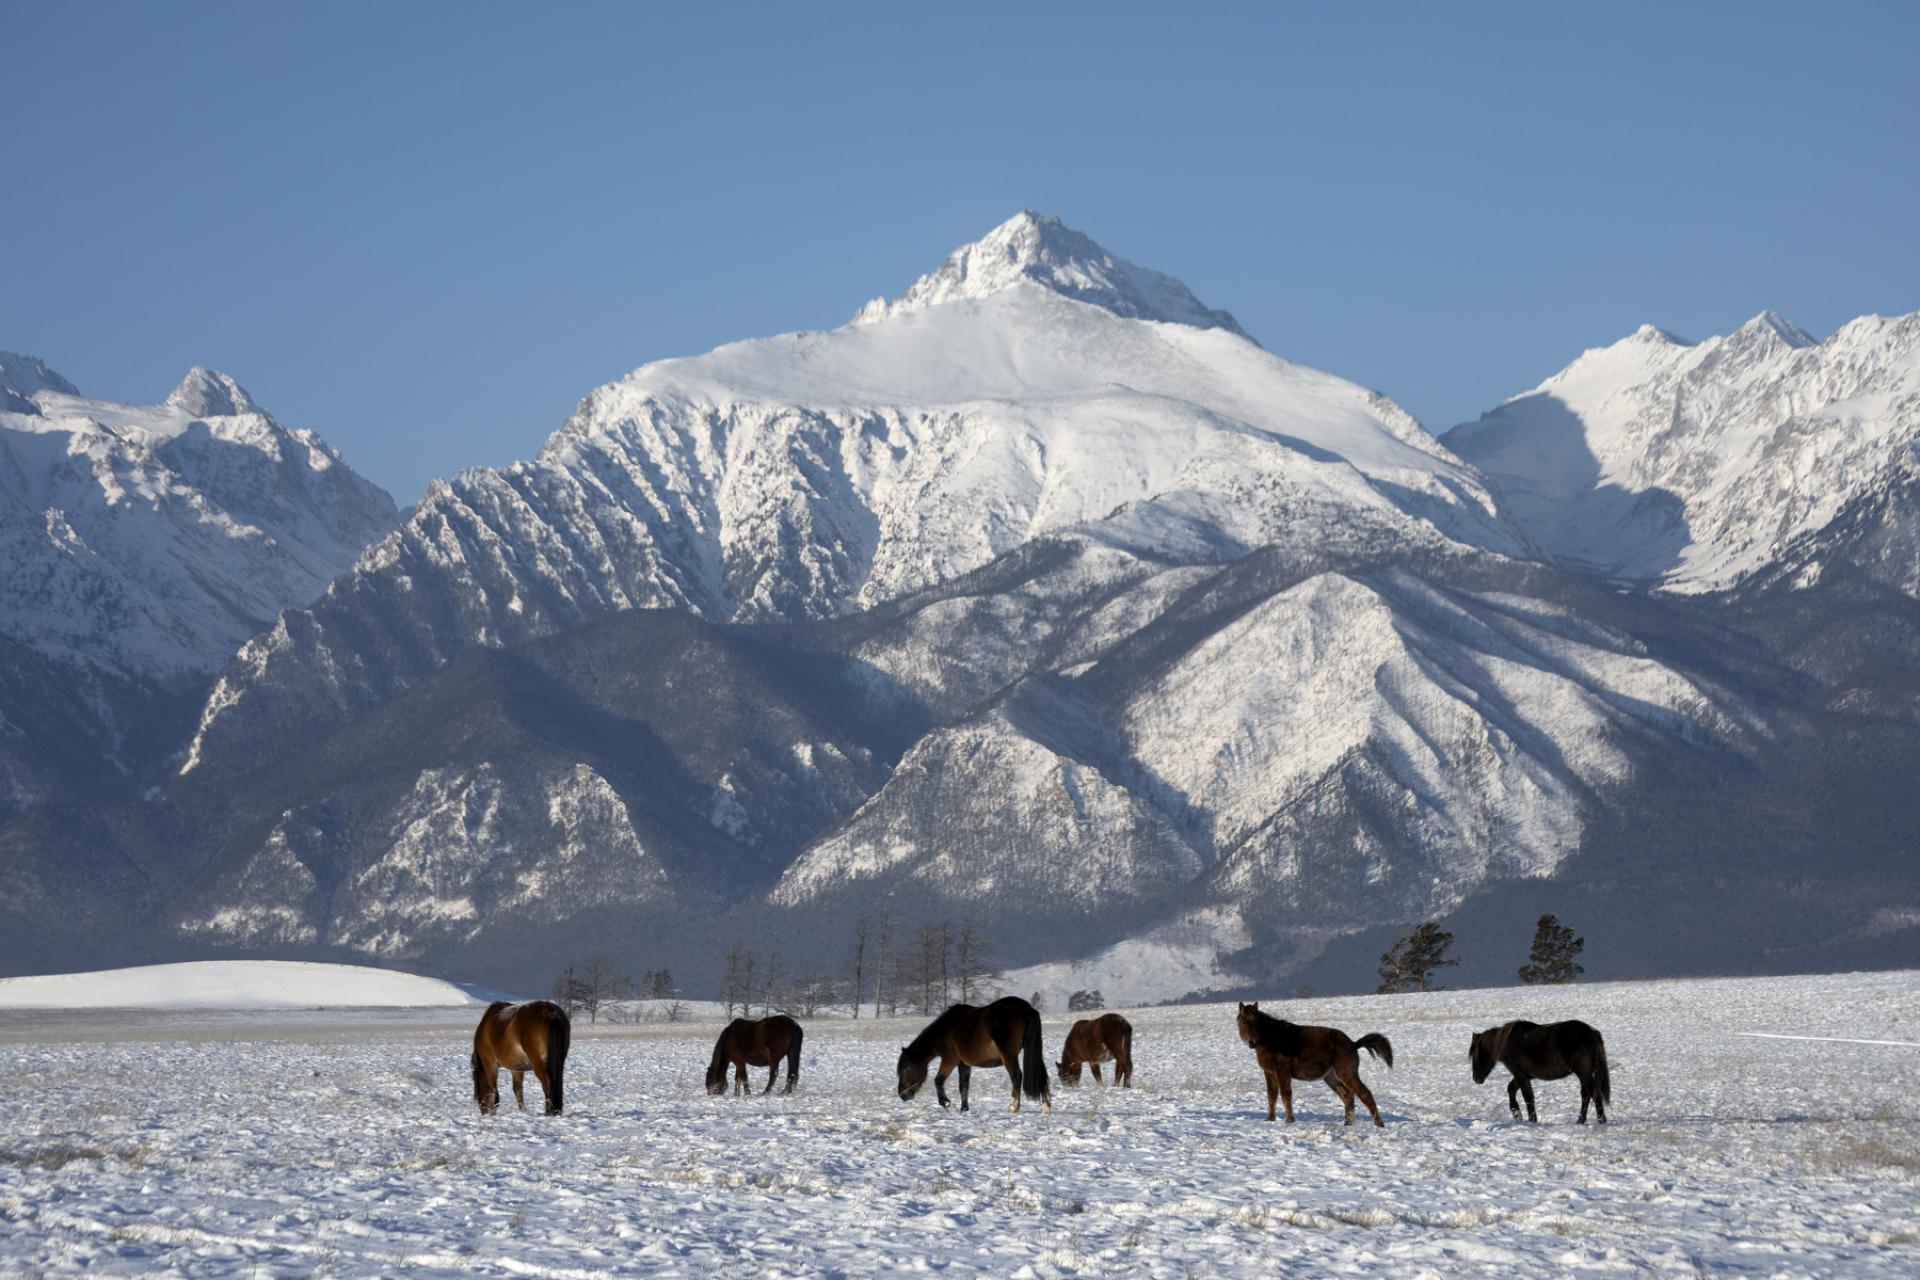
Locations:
(26, 377)
(1771, 323)
(1653, 335)
(208, 393)
(1030, 248)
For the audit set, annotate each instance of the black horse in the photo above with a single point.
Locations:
(1004, 1034)
(1553, 1052)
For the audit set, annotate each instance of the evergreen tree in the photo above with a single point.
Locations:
(1409, 964)
(1551, 959)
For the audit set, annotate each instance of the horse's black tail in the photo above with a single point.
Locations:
(1033, 1058)
(793, 1057)
(1377, 1045)
(559, 1034)
(1602, 1082)
(717, 1069)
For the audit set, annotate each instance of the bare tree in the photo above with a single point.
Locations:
(749, 967)
(857, 964)
(566, 989)
(599, 984)
(730, 985)
(979, 978)
(885, 993)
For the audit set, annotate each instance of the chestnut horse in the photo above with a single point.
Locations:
(759, 1042)
(1553, 1052)
(1289, 1052)
(522, 1038)
(1004, 1034)
(1107, 1038)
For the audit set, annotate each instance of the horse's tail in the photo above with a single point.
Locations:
(482, 1085)
(1033, 1059)
(717, 1069)
(559, 1034)
(1377, 1045)
(1603, 1083)
(793, 1056)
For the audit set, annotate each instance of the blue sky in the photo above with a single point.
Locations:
(427, 230)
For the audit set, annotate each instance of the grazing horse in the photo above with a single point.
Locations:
(1533, 1052)
(1289, 1052)
(522, 1038)
(1004, 1034)
(1107, 1038)
(759, 1042)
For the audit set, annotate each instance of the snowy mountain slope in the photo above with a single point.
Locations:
(1345, 745)
(811, 474)
(1694, 465)
(141, 545)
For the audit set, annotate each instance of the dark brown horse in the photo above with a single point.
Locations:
(522, 1038)
(1107, 1038)
(749, 1042)
(1533, 1052)
(1004, 1034)
(1289, 1052)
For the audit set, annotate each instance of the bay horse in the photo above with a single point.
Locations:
(1005, 1033)
(755, 1042)
(1533, 1052)
(522, 1038)
(1289, 1052)
(1107, 1038)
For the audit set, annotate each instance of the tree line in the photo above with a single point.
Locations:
(597, 987)
(1410, 963)
(887, 968)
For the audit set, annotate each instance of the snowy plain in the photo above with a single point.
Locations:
(346, 1143)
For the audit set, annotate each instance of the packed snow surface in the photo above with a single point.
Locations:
(234, 984)
(302, 1144)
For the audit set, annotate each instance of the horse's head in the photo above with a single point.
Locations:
(1481, 1054)
(1250, 1022)
(912, 1076)
(1069, 1071)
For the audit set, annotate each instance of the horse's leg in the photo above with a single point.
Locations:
(1013, 1074)
(940, 1085)
(1096, 1073)
(1586, 1093)
(1286, 1091)
(1366, 1095)
(741, 1085)
(966, 1084)
(773, 1073)
(1341, 1092)
(1526, 1091)
(1273, 1090)
(540, 1077)
(519, 1094)
(491, 1103)
(1513, 1096)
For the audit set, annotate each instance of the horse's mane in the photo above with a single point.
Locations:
(1274, 1033)
(923, 1046)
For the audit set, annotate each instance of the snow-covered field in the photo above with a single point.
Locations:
(313, 1143)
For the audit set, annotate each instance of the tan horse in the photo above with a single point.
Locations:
(522, 1038)
(1107, 1038)
(750, 1042)
(1004, 1034)
(1289, 1052)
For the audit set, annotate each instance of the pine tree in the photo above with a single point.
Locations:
(1551, 959)
(1409, 964)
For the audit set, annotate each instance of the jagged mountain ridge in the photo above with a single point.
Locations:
(140, 546)
(1129, 633)
(812, 474)
(1694, 466)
